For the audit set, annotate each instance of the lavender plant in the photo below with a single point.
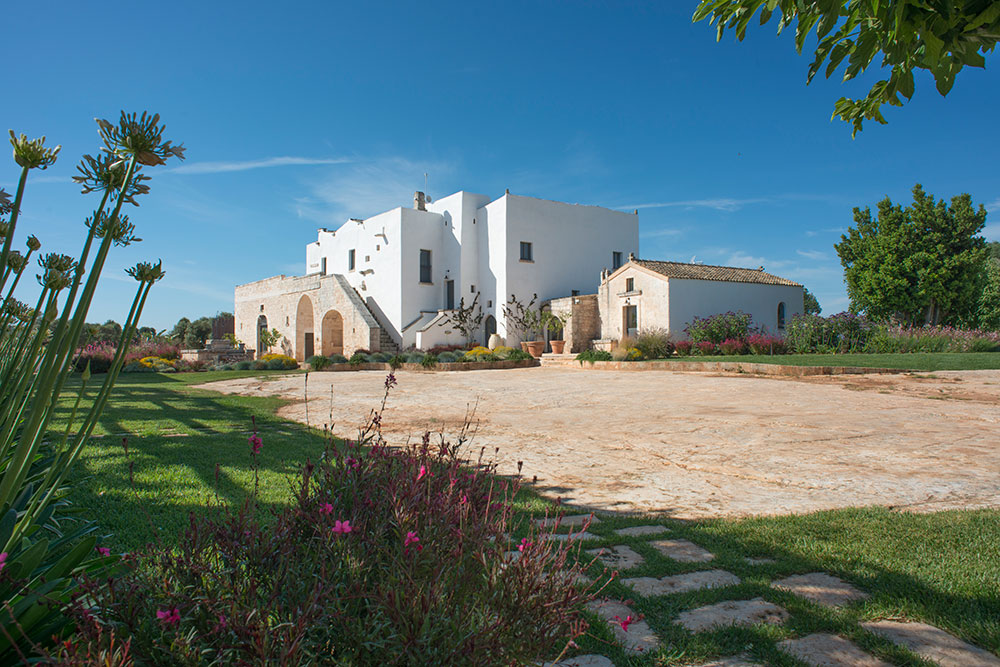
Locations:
(42, 553)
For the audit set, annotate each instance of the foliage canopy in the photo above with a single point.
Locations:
(940, 36)
(922, 264)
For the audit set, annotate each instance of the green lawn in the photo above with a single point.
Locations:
(917, 361)
(942, 569)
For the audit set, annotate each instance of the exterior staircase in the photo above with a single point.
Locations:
(386, 343)
(551, 360)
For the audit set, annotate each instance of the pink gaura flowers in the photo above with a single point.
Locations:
(255, 444)
(422, 473)
(525, 543)
(3, 560)
(627, 622)
(341, 527)
(169, 616)
(411, 538)
(104, 551)
(351, 462)
(326, 508)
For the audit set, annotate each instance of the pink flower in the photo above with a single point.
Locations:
(169, 616)
(104, 551)
(525, 543)
(352, 462)
(3, 560)
(342, 527)
(255, 443)
(411, 538)
(465, 498)
(627, 622)
(326, 508)
(422, 473)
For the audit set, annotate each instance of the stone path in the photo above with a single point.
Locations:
(817, 649)
(824, 650)
(568, 520)
(933, 644)
(682, 583)
(619, 557)
(682, 551)
(563, 537)
(821, 588)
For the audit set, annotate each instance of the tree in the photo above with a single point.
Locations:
(198, 332)
(915, 265)
(810, 304)
(268, 339)
(180, 329)
(941, 36)
(988, 311)
(467, 319)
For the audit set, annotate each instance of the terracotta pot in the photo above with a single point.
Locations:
(557, 346)
(524, 346)
(536, 348)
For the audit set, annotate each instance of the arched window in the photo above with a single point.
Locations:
(781, 315)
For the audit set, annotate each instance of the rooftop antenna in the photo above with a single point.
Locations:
(425, 181)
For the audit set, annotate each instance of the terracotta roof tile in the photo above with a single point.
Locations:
(709, 272)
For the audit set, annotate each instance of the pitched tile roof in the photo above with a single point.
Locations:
(709, 272)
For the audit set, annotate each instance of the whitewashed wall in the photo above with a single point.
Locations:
(703, 298)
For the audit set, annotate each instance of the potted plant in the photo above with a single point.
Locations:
(556, 324)
(524, 320)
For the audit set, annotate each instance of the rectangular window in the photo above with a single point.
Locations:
(575, 292)
(472, 289)
(425, 266)
(322, 266)
(630, 284)
(616, 260)
(526, 255)
(350, 259)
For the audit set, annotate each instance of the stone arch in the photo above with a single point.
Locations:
(332, 333)
(261, 328)
(491, 328)
(304, 329)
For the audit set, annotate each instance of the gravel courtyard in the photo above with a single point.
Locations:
(694, 445)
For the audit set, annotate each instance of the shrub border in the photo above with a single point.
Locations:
(733, 367)
(446, 366)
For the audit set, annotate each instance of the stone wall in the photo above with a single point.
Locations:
(584, 322)
(322, 311)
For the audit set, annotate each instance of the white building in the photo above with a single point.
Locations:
(382, 283)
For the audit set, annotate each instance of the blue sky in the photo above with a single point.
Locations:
(301, 115)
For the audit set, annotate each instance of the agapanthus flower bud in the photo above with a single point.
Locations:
(54, 279)
(141, 137)
(6, 205)
(33, 243)
(32, 153)
(120, 230)
(18, 309)
(57, 261)
(16, 261)
(146, 272)
(3, 229)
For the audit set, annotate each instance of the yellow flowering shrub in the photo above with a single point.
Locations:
(157, 363)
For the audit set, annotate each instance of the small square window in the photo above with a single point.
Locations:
(526, 255)
(472, 289)
(616, 260)
(489, 304)
(350, 259)
(368, 258)
(575, 292)
(630, 284)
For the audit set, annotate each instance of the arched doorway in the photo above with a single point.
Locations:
(491, 328)
(261, 329)
(332, 333)
(304, 329)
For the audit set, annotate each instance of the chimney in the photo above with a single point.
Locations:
(419, 201)
(631, 257)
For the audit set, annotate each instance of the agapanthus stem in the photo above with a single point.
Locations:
(12, 223)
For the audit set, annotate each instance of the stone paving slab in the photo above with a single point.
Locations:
(619, 557)
(563, 537)
(682, 583)
(735, 661)
(568, 520)
(762, 560)
(638, 639)
(732, 612)
(826, 650)
(682, 551)
(591, 660)
(933, 644)
(639, 531)
(821, 588)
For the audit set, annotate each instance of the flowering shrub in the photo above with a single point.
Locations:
(623, 353)
(718, 328)
(705, 348)
(766, 344)
(386, 556)
(847, 332)
(285, 362)
(654, 344)
(503, 352)
(733, 346)
(683, 347)
(438, 349)
(318, 362)
(156, 363)
(479, 353)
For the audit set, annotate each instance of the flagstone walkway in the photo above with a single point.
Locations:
(636, 637)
